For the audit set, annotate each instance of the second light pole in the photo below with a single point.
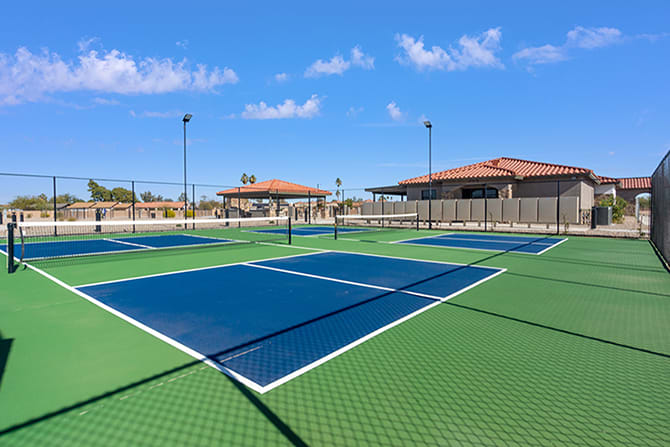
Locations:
(430, 173)
(186, 119)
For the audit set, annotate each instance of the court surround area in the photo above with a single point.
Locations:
(263, 333)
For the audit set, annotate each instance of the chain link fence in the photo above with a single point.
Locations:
(660, 209)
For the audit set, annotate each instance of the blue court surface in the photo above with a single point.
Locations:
(491, 242)
(310, 231)
(265, 322)
(81, 247)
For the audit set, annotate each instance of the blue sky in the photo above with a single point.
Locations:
(308, 93)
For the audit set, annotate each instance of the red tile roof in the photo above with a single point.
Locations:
(275, 186)
(156, 205)
(635, 183)
(502, 167)
(607, 180)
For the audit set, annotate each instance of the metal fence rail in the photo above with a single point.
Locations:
(660, 207)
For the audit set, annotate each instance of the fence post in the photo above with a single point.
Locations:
(193, 205)
(55, 228)
(558, 207)
(239, 207)
(309, 207)
(486, 207)
(132, 182)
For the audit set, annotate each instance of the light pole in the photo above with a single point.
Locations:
(430, 174)
(186, 119)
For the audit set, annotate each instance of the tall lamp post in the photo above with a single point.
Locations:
(186, 119)
(430, 174)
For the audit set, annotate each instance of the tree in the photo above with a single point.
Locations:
(67, 198)
(244, 179)
(252, 179)
(30, 202)
(618, 207)
(338, 183)
(147, 196)
(181, 198)
(99, 193)
(120, 194)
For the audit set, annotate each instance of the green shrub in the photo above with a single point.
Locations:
(189, 213)
(618, 207)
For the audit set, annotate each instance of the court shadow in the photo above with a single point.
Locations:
(5, 347)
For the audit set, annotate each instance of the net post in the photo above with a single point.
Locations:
(417, 221)
(289, 229)
(55, 208)
(335, 227)
(132, 183)
(558, 206)
(10, 247)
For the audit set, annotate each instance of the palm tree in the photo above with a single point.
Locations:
(252, 179)
(338, 183)
(244, 179)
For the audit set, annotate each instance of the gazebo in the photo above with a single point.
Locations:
(274, 189)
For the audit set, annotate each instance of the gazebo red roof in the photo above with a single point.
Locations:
(273, 187)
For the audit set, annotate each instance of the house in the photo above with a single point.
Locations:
(507, 178)
(156, 210)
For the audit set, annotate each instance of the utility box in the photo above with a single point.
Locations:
(601, 215)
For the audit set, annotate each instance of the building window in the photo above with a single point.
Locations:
(424, 194)
(478, 193)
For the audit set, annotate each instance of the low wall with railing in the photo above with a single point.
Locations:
(520, 210)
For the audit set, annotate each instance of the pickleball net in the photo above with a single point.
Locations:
(350, 224)
(31, 241)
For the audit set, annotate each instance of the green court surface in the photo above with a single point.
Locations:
(571, 347)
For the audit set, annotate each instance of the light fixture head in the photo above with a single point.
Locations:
(187, 118)
(427, 124)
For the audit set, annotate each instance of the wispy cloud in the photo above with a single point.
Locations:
(338, 65)
(394, 111)
(281, 77)
(150, 114)
(182, 44)
(287, 109)
(106, 102)
(31, 77)
(353, 112)
(578, 37)
(477, 51)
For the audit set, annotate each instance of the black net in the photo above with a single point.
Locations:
(33, 241)
(660, 209)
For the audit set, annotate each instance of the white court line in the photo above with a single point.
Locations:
(552, 246)
(407, 242)
(132, 278)
(367, 337)
(343, 281)
(132, 244)
(531, 240)
(385, 256)
(242, 379)
(174, 343)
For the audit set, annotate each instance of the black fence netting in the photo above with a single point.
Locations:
(660, 207)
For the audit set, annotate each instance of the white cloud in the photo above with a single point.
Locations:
(545, 54)
(610, 153)
(281, 77)
(354, 111)
(287, 109)
(360, 59)
(477, 51)
(338, 65)
(182, 44)
(106, 102)
(578, 37)
(394, 111)
(593, 37)
(148, 114)
(30, 77)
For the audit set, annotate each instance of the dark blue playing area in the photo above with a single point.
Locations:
(269, 320)
(82, 247)
(310, 231)
(492, 242)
